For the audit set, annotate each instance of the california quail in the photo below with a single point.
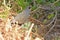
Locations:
(23, 16)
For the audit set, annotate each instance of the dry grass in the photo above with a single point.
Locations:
(11, 33)
(14, 32)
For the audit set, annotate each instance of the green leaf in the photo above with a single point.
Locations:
(45, 20)
(57, 4)
(26, 25)
(33, 8)
(22, 3)
(40, 1)
(35, 16)
(52, 1)
(3, 15)
(50, 16)
(29, 1)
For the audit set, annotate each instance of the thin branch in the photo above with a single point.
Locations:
(4, 2)
(56, 2)
(51, 27)
(44, 7)
(52, 20)
(26, 38)
(35, 20)
(40, 7)
(1, 37)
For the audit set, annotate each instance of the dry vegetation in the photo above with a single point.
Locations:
(42, 19)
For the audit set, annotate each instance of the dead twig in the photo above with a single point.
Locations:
(27, 37)
(51, 27)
